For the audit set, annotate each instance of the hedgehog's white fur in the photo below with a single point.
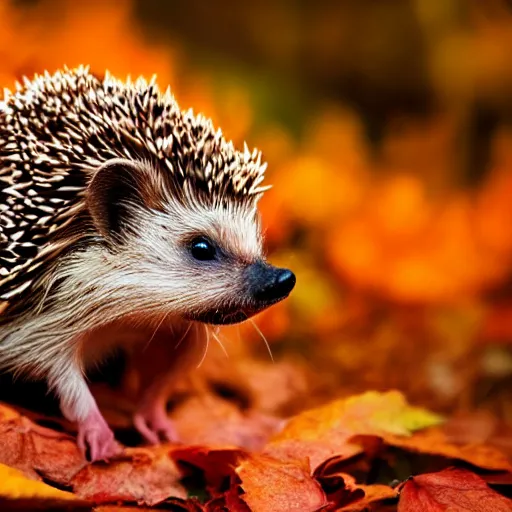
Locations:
(76, 285)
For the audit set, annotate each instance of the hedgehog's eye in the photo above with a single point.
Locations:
(202, 249)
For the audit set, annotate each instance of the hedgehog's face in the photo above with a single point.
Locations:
(224, 272)
(204, 262)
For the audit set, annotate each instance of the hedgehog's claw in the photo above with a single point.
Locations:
(154, 425)
(96, 438)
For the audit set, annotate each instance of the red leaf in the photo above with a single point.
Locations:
(450, 490)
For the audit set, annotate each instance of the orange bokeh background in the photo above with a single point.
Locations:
(404, 262)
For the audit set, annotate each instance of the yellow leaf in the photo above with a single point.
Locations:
(15, 485)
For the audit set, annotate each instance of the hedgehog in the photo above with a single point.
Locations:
(123, 220)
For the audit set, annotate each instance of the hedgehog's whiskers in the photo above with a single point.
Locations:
(262, 336)
(216, 336)
(184, 335)
(206, 346)
(155, 331)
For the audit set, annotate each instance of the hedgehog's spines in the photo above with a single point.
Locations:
(55, 130)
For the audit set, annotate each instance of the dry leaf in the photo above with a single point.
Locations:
(35, 450)
(434, 441)
(144, 475)
(17, 492)
(216, 463)
(326, 431)
(271, 485)
(454, 490)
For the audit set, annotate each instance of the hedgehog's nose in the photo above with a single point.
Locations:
(270, 284)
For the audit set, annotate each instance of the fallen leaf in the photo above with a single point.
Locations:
(434, 441)
(17, 492)
(336, 445)
(37, 451)
(216, 463)
(374, 495)
(14, 484)
(451, 490)
(326, 431)
(271, 485)
(341, 490)
(229, 501)
(343, 493)
(479, 428)
(144, 475)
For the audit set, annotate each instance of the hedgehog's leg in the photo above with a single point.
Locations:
(78, 405)
(151, 419)
(170, 355)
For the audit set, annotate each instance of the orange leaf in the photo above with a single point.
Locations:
(327, 431)
(344, 494)
(450, 490)
(271, 485)
(373, 494)
(434, 441)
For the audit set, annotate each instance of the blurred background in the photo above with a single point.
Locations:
(387, 128)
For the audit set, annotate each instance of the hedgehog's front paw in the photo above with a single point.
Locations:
(154, 425)
(96, 438)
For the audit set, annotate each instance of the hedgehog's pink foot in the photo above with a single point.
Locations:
(154, 425)
(78, 405)
(95, 436)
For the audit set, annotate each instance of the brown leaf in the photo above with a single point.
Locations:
(144, 475)
(37, 451)
(434, 441)
(271, 485)
(451, 490)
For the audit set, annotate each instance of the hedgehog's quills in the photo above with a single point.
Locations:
(123, 220)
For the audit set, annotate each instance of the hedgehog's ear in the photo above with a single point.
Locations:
(113, 194)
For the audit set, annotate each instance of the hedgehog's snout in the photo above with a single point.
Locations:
(269, 284)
